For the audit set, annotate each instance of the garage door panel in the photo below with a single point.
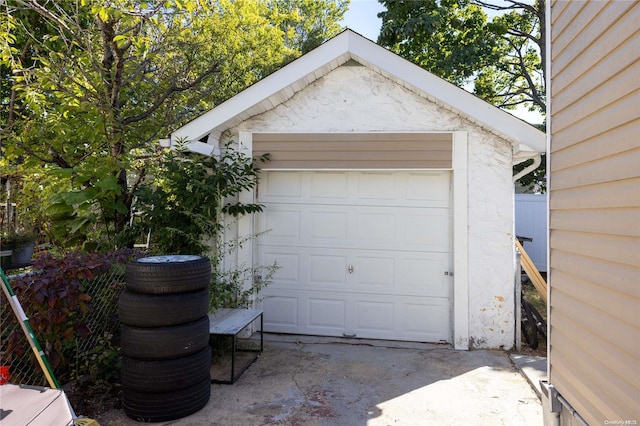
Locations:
(425, 319)
(288, 266)
(376, 186)
(428, 229)
(393, 276)
(327, 225)
(375, 271)
(428, 189)
(423, 275)
(328, 185)
(401, 273)
(428, 317)
(375, 317)
(327, 269)
(281, 185)
(417, 189)
(282, 312)
(376, 228)
(283, 224)
(326, 314)
(361, 253)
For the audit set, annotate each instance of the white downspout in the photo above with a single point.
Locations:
(537, 160)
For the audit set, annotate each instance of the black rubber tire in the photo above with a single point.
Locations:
(165, 406)
(157, 310)
(541, 324)
(168, 274)
(528, 325)
(166, 376)
(160, 343)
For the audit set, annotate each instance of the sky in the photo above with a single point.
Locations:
(362, 18)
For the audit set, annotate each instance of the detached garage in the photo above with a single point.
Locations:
(389, 200)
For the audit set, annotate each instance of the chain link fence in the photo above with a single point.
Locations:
(102, 340)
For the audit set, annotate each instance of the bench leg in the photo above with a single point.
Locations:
(233, 359)
(234, 349)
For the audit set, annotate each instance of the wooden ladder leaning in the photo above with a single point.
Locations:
(532, 272)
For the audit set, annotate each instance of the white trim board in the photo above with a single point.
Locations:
(280, 86)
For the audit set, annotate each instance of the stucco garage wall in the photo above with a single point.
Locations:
(353, 98)
(491, 255)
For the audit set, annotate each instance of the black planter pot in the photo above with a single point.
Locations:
(22, 254)
(5, 258)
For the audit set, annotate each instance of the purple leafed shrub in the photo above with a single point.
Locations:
(57, 303)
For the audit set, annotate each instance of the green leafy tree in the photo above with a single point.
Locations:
(500, 57)
(91, 85)
(308, 23)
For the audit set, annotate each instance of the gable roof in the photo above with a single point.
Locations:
(283, 84)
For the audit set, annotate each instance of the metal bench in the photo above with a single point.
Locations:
(230, 322)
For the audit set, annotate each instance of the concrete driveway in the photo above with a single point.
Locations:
(301, 380)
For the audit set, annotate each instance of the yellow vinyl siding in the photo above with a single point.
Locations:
(618, 140)
(602, 195)
(618, 277)
(355, 150)
(592, 379)
(591, 100)
(564, 12)
(599, 246)
(617, 304)
(579, 47)
(622, 222)
(568, 28)
(594, 202)
(618, 166)
(617, 113)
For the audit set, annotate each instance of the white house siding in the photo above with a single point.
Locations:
(353, 98)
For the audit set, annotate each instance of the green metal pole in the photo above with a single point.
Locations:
(26, 327)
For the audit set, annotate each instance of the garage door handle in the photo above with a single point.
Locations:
(350, 269)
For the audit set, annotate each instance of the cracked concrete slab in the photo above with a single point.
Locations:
(302, 380)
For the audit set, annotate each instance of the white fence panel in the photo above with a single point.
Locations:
(531, 222)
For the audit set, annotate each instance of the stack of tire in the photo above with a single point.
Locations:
(166, 357)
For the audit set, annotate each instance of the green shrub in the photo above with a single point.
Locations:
(185, 205)
(228, 286)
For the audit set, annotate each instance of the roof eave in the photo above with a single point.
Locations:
(284, 83)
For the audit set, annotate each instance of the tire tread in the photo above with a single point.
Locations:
(161, 343)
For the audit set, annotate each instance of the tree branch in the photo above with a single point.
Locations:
(142, 173)
(174, 88)
(535, 97)
(55, 157)
(12, 100)
(513, 104)
(517, 33)
(514, 5)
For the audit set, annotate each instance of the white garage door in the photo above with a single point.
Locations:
(361, 254)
